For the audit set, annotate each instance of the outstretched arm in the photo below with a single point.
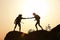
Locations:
(28, 18)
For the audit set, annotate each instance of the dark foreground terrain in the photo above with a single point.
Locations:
(54, 34)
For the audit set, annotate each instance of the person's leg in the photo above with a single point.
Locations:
(19, 26)
(36, 26)
(40, 25)
(15, 27)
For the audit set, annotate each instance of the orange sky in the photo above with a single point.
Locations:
(49, 10)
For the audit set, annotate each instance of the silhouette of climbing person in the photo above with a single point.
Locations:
(37, 18)
(18, 21)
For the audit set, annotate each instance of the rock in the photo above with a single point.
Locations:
(14, 35)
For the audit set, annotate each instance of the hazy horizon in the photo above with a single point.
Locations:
(49, 11)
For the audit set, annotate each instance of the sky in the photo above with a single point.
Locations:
(48, 10)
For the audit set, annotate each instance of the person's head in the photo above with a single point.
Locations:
(20, 15)
(34, 13)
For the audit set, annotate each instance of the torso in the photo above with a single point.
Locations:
(37, 17)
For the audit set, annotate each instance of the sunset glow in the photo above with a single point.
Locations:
(48, 10)
(40, 7)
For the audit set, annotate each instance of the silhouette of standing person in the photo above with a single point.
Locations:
(18, 21)
(37, 18)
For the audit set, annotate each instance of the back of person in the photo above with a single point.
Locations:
(18, 20)
(37, 17)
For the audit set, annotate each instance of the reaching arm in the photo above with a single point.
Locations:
(28, 18)
(32, 17)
